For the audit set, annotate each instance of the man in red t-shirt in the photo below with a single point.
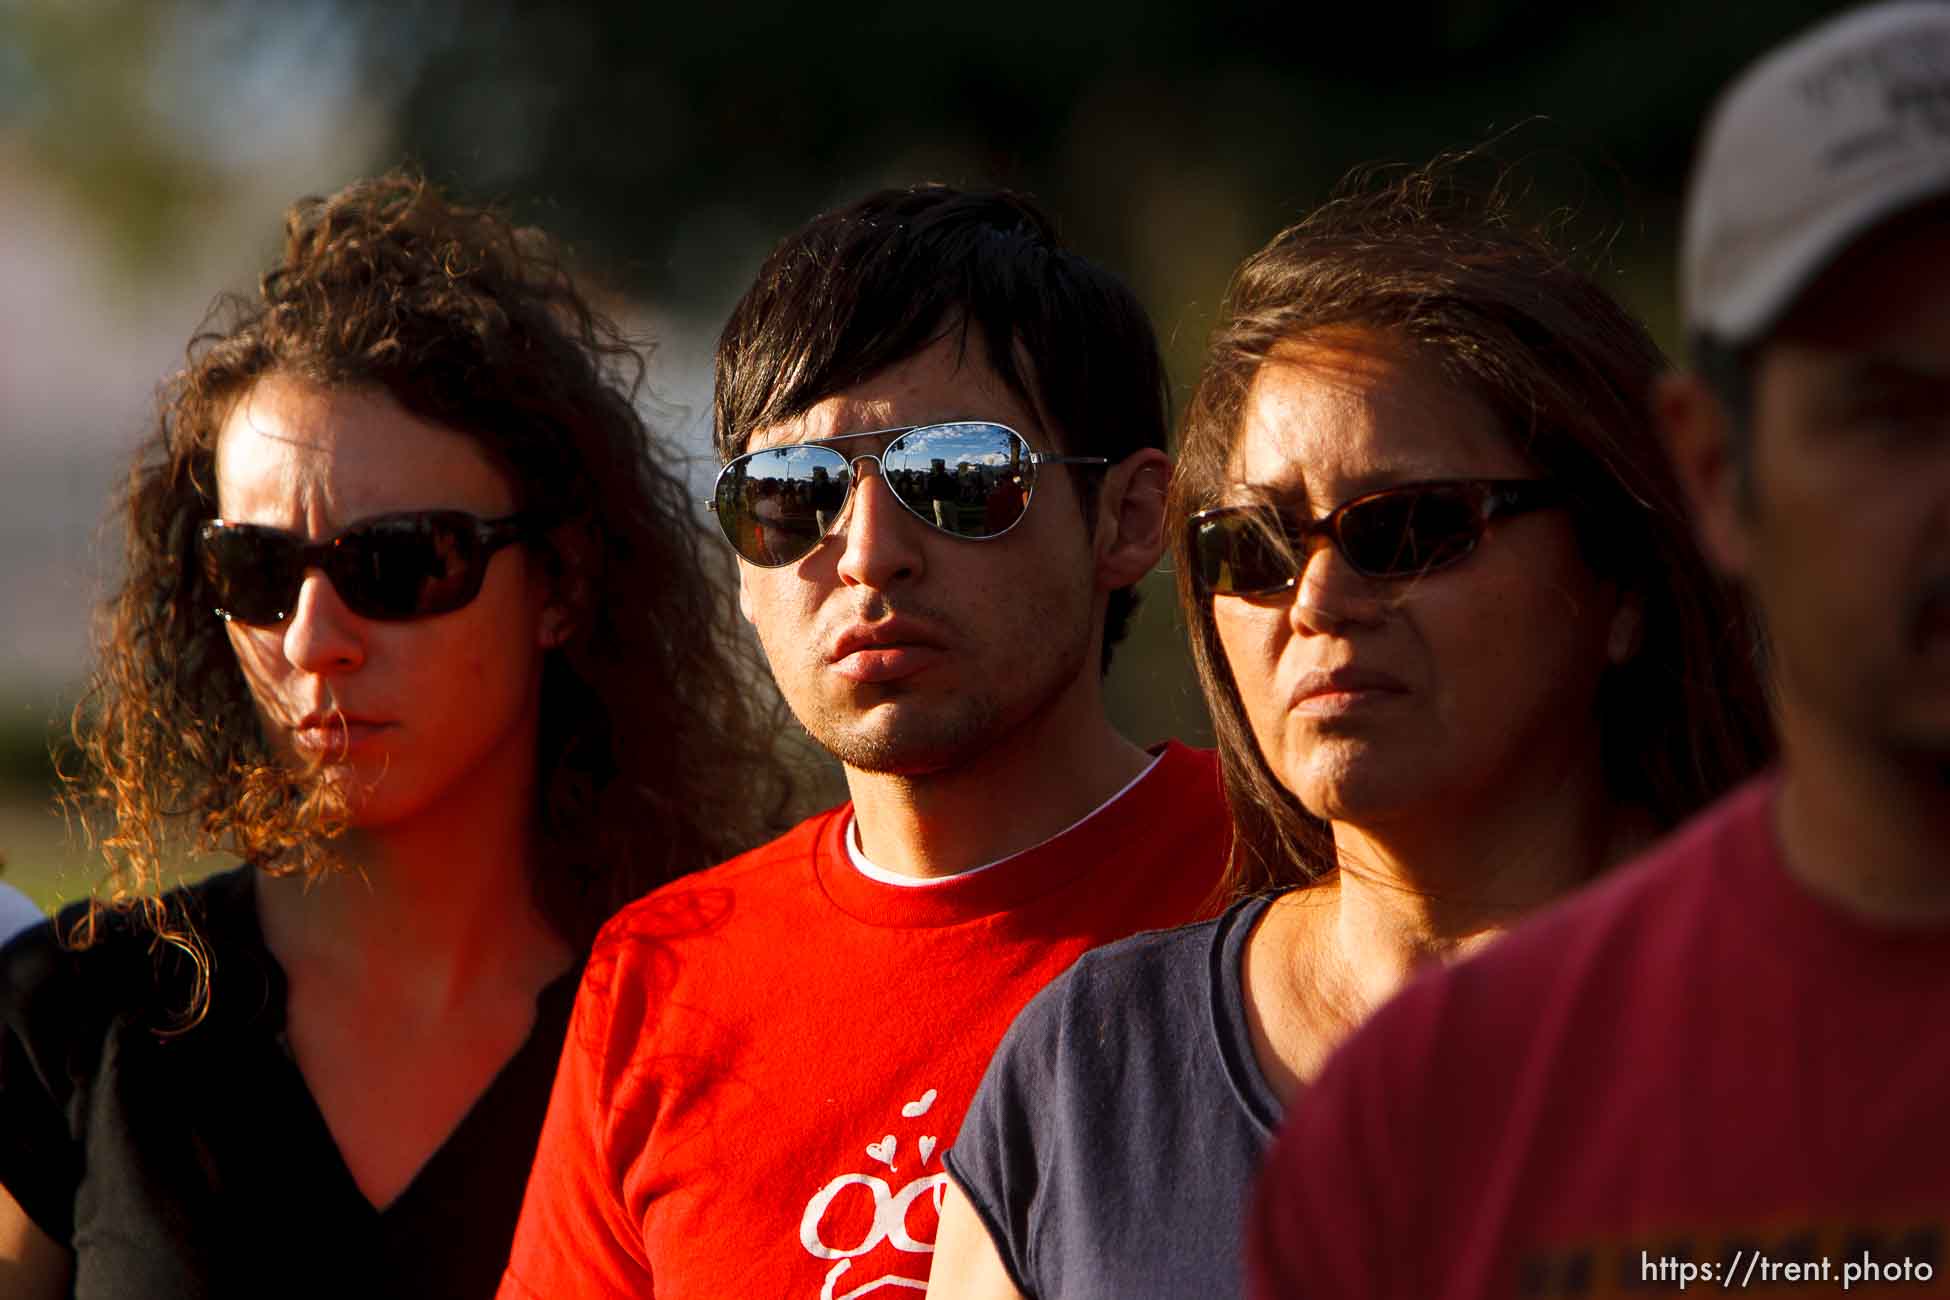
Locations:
(768, 1059)
(1728, 1066)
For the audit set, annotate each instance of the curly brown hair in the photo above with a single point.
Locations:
(658, 743)
(1424, 257)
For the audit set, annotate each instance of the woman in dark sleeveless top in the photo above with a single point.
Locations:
(415, 621)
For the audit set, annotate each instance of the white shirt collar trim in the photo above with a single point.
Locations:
(872, 871)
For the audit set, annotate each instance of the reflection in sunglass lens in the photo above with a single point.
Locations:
(1398, 534)
(396, 568)
(775, 505)
(1240, 553)
(971, 480)
(400, 567)
(253, 572)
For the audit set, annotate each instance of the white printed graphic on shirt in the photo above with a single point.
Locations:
(889, 1243)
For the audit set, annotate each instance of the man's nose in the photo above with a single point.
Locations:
(881, 543)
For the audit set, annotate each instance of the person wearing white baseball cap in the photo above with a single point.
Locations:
(1726, 1064)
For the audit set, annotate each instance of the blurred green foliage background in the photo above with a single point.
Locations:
(673, 144)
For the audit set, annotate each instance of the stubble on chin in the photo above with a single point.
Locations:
(907, 736)
(920, 727)
(911, 731)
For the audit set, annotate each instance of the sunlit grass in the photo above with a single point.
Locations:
(43, 858)
(46, 858)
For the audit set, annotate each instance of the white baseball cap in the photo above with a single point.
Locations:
(1818, 142)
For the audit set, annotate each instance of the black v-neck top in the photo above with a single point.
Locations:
(196, 1164)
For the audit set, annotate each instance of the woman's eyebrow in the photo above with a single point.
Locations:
(1287, 493)
(1278, 493)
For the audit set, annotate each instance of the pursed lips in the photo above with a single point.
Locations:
(886, 651)
(337, 732)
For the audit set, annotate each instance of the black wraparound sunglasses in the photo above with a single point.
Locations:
(388, 568)
(1398, 532)
(971, 479)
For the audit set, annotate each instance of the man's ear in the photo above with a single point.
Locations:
(1131, 517)
(1700, 439)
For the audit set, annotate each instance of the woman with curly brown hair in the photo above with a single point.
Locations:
(1462, 655)
(416, 621)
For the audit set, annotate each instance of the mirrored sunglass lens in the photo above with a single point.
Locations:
(404, 568)
(1240, 555)
(253, 573)
(1405, 533)
(972, 480)
(775, 505)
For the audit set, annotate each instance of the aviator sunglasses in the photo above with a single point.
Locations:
(1398, 532)
(388, 568)
(970, 478)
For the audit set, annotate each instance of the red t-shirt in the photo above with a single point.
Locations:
(769, 1058)
(1695, 1072)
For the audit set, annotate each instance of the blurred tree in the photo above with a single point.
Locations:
(682, 140)
(1170, 139)
(674, 144)
(157, 116)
